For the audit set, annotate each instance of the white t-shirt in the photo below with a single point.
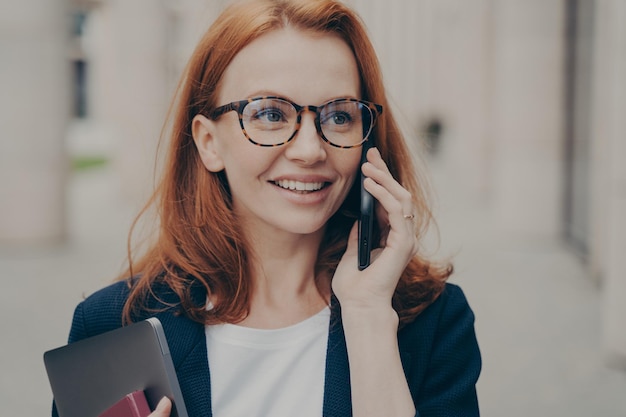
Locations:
(268, 373)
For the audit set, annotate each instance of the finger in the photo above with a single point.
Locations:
(163, 409)
(401, 233)
(375, 158)
(394, 209)
(377, 170)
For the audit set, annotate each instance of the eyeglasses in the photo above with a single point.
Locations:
(274, 121)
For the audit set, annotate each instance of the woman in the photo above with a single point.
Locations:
(254, 272)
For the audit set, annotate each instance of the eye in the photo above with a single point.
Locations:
(337, 119)
(340, 118)
(270, 115)
(341, 114)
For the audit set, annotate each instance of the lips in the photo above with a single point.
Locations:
(301, 186)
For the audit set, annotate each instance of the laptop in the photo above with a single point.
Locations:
(90, 376)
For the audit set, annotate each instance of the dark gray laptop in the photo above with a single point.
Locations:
(91, 375)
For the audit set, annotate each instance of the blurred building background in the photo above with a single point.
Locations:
(520, 105)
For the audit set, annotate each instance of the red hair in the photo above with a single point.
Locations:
(199, 241)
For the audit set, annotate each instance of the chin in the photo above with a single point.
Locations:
(301, 228)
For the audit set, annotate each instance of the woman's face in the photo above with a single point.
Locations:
(298, 186)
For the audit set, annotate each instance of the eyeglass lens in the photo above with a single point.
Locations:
(272, 121)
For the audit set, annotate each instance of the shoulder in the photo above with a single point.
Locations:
(445, 324)
(450, 309)
(102, 311)
(444, 360)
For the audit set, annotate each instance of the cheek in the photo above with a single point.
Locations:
(351, 171)
(237, 154)
(245, 163)
(350, 163)
(229, 138)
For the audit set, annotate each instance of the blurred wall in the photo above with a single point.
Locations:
(34, 114)
(608, 171)
(437, 58)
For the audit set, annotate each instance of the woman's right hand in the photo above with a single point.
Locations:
(163, 409)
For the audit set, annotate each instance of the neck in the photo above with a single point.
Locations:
(285, 289)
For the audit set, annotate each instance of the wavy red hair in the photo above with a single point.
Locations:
(199, 242)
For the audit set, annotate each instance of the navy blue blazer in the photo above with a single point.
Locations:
(439, 352)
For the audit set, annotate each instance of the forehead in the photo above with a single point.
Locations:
(304, 66)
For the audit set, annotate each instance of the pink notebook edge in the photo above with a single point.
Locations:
(135, 403)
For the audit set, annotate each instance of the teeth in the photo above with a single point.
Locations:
(300, 186)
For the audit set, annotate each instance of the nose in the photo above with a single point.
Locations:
(307, 146)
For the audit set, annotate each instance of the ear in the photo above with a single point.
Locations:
(203, 132)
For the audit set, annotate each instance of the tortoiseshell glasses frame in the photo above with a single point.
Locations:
(274, 121)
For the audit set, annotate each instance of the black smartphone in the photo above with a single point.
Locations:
(366, 217)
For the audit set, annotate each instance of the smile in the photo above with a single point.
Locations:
(299, 186)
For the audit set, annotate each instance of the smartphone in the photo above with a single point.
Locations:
(366, 217)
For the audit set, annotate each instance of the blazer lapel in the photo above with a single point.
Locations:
(187, 343)
(337, 396)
